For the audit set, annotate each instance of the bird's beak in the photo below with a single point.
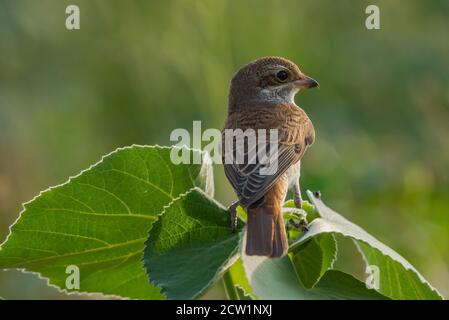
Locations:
(306, 82)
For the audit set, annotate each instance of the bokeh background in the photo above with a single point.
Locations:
(139, 69)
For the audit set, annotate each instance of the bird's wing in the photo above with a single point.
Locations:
(295, 134)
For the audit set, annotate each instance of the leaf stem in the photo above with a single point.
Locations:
(231, 290)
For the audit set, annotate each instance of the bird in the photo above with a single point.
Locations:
(261, 96)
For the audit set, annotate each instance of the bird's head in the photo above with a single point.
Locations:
(268, 79)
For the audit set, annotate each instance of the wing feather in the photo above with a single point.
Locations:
(296, 133)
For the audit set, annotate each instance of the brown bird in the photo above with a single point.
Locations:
(262, 97)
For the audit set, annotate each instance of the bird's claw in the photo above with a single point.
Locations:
(233, 215)
(302, 224)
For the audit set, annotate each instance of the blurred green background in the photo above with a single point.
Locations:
(139, 69)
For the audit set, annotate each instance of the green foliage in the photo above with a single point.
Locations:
(189, 245)
(99, 221)
(236, 280)
(276, 279)
(136, 209)
(398, 278)
(312, 259)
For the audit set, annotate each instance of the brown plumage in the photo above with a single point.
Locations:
(261, 97)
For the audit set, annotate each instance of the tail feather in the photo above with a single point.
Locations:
(280, 242)
(266, 232)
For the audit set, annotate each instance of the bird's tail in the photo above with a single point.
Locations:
(266, 231)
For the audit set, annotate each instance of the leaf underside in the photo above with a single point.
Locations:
(276, 279)
(398, 279)
(313, 258)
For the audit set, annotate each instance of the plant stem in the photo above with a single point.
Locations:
(231, 291)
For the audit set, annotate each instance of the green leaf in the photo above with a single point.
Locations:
(99, 221)
(238, 279)
(313, 258)
(398, 278)
(190, 245)
(306, 206)
(276, 279)
(336, 284)
(394, 280)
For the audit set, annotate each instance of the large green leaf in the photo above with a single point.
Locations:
(189, 245)
(398, 279)
(99, 221)
(276, 279)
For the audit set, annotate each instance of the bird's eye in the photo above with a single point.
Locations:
(282, 75)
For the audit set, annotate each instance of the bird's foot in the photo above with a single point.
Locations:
(233, 215)
(302, 215)
(301, 225)
(304, 225)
